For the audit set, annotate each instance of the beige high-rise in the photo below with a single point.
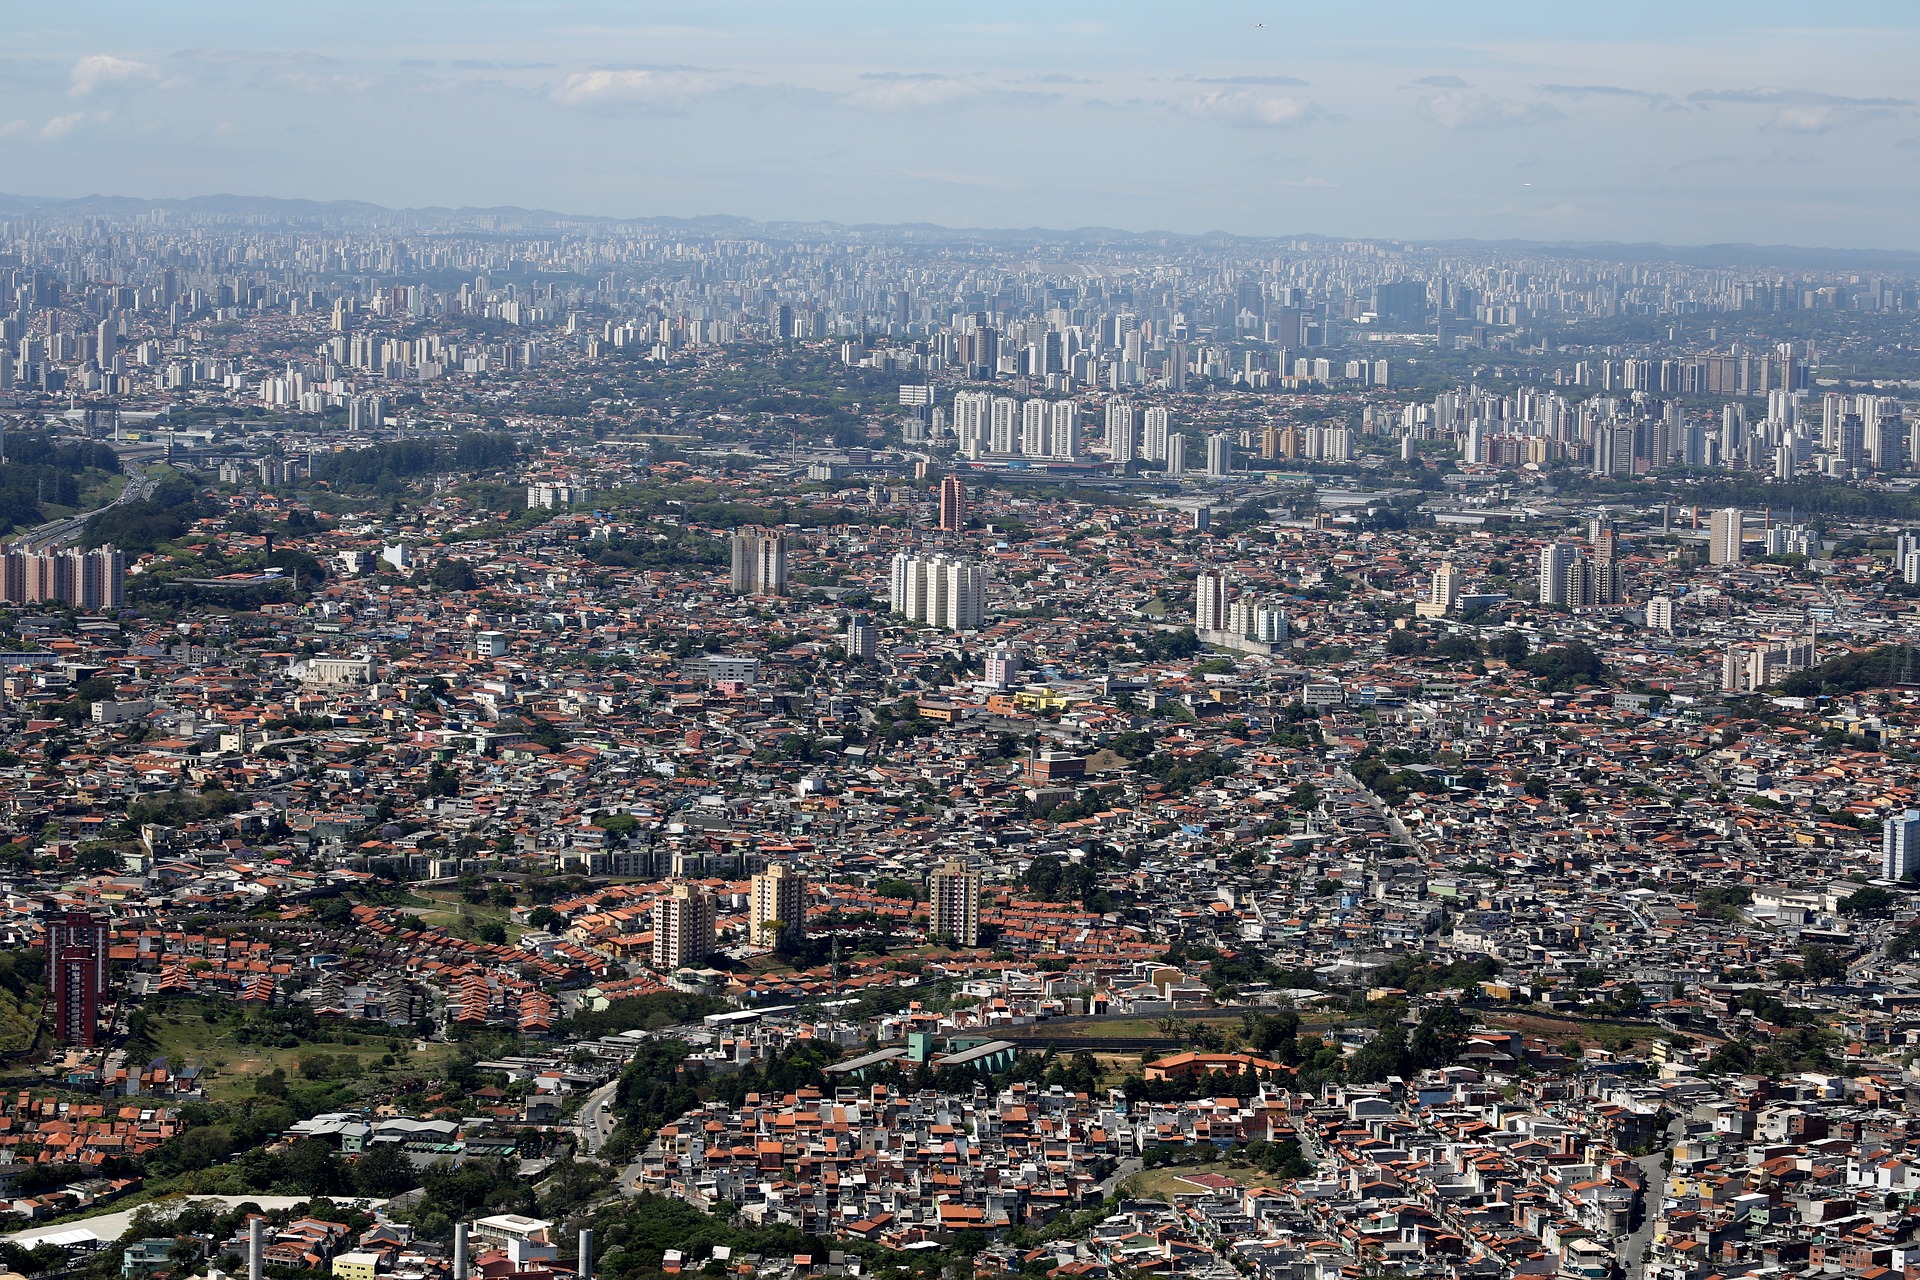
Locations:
(683, 927)
(954, 895)
(1726, 532)
(779, 906)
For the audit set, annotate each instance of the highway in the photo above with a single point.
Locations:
(55, 533)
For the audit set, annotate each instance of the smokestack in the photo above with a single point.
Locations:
(256, 1246)
(459, 1251)
(586, 1254)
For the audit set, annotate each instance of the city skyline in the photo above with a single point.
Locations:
(711, 727)
(1736, 125)
(824, 642)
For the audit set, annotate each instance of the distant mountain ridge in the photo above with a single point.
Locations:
(1728, 255)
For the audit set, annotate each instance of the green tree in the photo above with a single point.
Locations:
(1869, 900)
(384, 1171)
(1823, 964)
(1439, 1038)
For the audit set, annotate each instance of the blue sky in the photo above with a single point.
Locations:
(1686, 122)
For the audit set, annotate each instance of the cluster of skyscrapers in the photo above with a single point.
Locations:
(1001, 426)
(1841, 436)
(95, 579)
(84, 305)
(1762, 664)
(685, 920)
(1906, 557)
(1134, 435)
(939, 590)
(759, 562)
(1576, 581)
(1218, 614)
(989, 427)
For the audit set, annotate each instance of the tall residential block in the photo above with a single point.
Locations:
(1123, 430)
(683, 927)
(1443, 592)
(940, 590)
(863, 639)
(76, 975)
(1210, 601)
(1159, 429)
(1220, 454)
(1063, 426)
(759, 562)
(953, 505)
(1555, 559)
(1900, 846)
(953, 893)
(777, 912)
(1725, 531)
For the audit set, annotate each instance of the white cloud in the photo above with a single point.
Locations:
(885, 91)
(215, 56)
(1253, 110)
(1806, 111)
(1580, 92)
(1289, 81)
(1803, 119)
(1795, 97)
(318, 82)
(99, 71)
(13, 128)
(632, 87)
(274, 71)
(1460, 110)
(61, 126)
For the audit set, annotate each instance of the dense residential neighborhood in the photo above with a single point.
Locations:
(527, 749)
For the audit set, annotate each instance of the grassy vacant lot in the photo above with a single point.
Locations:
(446, 909)
(234, 1066)
(97, 489)
(1590, 1032)
(1165, 1184)
(1082, 1029)
(1067, 1029)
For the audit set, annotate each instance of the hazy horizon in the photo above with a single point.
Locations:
(1686, 125)
(957, 229)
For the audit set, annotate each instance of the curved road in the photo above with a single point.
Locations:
(593, 1125)
(1386, 814)
(56, 532)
